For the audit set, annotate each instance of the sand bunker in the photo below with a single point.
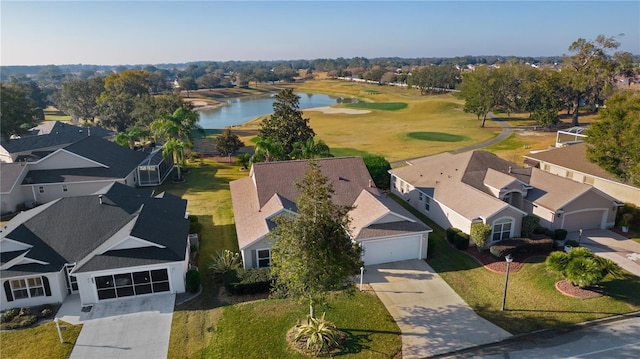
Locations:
(334, 110)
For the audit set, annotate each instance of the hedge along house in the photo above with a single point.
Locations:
(124, 242)
(78, 169)
(386, 231)
(458, 190)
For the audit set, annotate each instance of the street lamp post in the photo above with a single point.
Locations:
(509, 259)
(361, 277)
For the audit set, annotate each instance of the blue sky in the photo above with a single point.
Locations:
(153, 32)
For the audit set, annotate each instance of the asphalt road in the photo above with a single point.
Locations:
(619, 339)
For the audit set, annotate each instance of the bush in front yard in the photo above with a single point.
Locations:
(247, 281)
(508, 246)
(529, 224)
(560, 234)
(540, 245)
(451, 233)
(461, 241)
(572, 243)
(193, 280)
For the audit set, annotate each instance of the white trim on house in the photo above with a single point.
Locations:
(258, 257)
(14, 247)
(132, 242)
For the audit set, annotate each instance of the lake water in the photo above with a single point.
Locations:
(241, 110)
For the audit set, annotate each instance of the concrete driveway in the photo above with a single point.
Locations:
(433, 319)
(127, 328)
(607, 244)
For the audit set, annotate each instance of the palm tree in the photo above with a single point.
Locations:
(268, 150)
(582, 267)
(179, 126)
(310, 149)
(131, 136)
(174, 147)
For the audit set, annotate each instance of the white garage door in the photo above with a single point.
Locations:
(583, 220)
(391, 250)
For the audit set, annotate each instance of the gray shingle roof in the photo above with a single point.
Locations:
(58, 135)
(119, 162)
(9, 173)
(71, 228)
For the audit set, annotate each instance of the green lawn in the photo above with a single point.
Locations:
(436, 136)
(38, 342)
(533, 303)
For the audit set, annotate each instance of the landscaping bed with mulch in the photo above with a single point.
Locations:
(566, 288)
(499, 265)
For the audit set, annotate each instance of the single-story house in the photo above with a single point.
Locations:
(456, 190)
(44, 139)
(118, 243)
(386, 231)
(571, 162)
(80, 168)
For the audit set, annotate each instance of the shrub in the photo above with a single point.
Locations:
(530, 223)
(572, 243)
(451, 233)
(480, 233)
(46, 313)
(550, 233)
(27, 320)
(508, 246)
(247, 281)
(193, 219)
(581, 267)
(559, 234)
(9, 315)
(461, 241)
(193, 280)
(319, 334)
(224, 262)
(195, 227)
(626, 219)
(540, 230)
(542, 245)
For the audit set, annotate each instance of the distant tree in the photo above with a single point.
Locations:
(187, 84)
(18, 111)
(208, 81)
(312, 251)
(227, 143)
(78, 98)
(286, 125)
(546, 98)
(480, 90)
(379, 169)
(590, 70)
(131, 136)
(244, 159)
(614, 141)
(117, 101)
(310, 149)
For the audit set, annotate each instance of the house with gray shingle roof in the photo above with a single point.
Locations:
(571, 162)
(456, 190)
(81, 168)
(122, 242)
(44, 139)
(386, 231)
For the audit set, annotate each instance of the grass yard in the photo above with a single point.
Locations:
(521, 143)
(38, 342)
(532, 303)
(384, 106)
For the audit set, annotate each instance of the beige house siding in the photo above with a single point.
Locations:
(249, 257)
(619, 191)
(510, 213)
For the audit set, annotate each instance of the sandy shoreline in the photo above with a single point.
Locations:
(337, 110)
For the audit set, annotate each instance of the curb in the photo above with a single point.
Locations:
(543, 332)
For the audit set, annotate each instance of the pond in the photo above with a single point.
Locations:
(241, 110)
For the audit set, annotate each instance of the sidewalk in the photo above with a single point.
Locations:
(607, 244)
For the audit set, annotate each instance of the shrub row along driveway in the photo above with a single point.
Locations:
(433, 319)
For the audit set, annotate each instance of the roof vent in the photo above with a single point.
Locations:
(100, 198)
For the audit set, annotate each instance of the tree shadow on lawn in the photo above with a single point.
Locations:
(626, 288)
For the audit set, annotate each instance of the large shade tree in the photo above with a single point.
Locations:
(312, 250)
(286, 125)
(614, 141)
(589, 71)
(78, 98)
(18, 112)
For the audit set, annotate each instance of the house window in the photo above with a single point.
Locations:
(546, 168)
(27, 288)
(427, 203)
(501, 229)
(41, 189)
(569, 174)
(420, 196)
(65, 188)
(264, 257)
(588, 180)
